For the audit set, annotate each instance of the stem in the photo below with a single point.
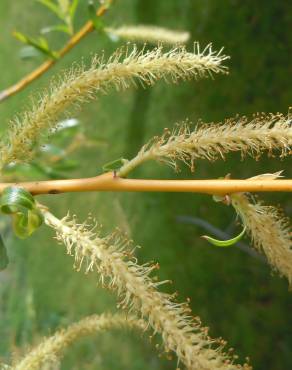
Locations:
(39, 71)
(110, 182)
(129, 166)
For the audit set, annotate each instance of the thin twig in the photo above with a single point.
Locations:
(39, 71)
(111, 182)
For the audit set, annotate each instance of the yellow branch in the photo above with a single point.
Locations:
(38, 72)
(110, 182)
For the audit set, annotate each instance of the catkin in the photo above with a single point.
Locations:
(118, 269)
(123, 69)
(270, 232)
(265, 132)
(49, 352)
(151, 34)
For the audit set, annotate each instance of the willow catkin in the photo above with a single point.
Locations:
(118, 269)
(270, 232)
(122, 70)
(149, 34)
(265, 132)
(50, 351)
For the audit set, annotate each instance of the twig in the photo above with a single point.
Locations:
(39, 71)
(111, 182)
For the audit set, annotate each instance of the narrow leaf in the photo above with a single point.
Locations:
(224, 243)
(73, 8)
(20, 36)
(29, 52)
(40, 44)
(3, 255)
(52, 6)
(97, 22)
(57, 28)
(114, 165)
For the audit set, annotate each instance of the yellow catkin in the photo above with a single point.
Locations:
(151, 34)
(50, 350)
(118, 269)
(212, 141)
(123, 69)
(270, 232)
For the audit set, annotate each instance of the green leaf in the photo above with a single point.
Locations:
(52, 6)
(73, 8)
(29, 52)
(21, 205)
(20, 36)
(40, 44)
(114, 165)
(14, 199)
(225, 243)
(57, 28)
(24, 224)
(97, 22)
(3, 255)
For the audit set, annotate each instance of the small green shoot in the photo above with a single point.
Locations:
(65, 11)
(114, 165)
(21, 205)
(224, 243)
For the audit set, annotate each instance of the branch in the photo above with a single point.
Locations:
(38, 72)
(111, 182)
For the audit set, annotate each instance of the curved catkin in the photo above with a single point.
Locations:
(118, 269)
(122, 70)
(151, 34)
(50, 351)
(265, 132)
(269, 230)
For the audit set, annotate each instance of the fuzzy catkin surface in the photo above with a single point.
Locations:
(125, 68)
(119, 270)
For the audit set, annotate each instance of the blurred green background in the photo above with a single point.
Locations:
(234, 293)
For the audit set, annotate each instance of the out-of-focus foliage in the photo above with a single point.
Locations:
(232, 292)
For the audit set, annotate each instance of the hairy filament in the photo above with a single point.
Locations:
(123, 69)
(212, 141)
(152, 34)
(50, 350)
(119, 270)
(269, 231)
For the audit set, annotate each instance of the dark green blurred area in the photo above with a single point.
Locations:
(233, 293)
